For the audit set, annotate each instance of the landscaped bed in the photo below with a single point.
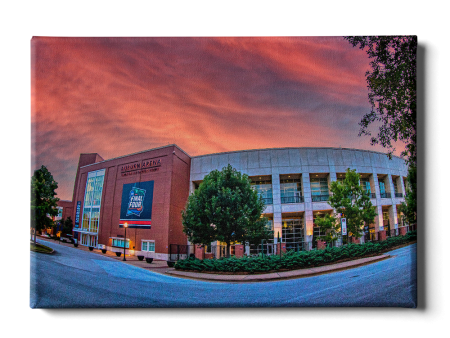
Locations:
(40, 248)
(294, 260)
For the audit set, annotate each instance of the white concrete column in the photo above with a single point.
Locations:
(402, 184)
(391, 188)
(309, 225)
(379, 219)
(331, 178)
(388, 184)
(276, 189)
(373, 186)
(393, 217)
(379, 216)
(277, 224)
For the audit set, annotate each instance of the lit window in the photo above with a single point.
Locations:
(148, 246)
(92, 201)
(118, 243)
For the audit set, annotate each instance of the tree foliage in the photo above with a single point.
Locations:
(349, 199)
(43, 200)
(225, 208)
(392, 90)
(330, 226)
(409, 209)
(66, 226)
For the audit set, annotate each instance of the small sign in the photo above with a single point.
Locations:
(344, 226)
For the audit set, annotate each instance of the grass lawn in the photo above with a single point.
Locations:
(40, 248)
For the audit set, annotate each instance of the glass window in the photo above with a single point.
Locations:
(382, 187)
(269, 224)
(394, 180)
(319, 186)
(117, 242)
(365, 184)
(92, 201)
(292, 230)
(291, 190)
(95, 212)
(263, 186)
(86, 217)
(148, 246)
(316, 229)
(319, 189)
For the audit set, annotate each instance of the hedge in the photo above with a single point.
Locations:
(293, 260)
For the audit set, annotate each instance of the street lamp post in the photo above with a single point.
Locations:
(125, 240)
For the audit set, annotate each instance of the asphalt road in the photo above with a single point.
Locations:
(73, 278)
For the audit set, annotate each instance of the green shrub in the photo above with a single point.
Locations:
(293, 260)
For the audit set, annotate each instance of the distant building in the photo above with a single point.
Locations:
(65, 210)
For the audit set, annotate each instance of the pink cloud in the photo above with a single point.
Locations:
(119, 96)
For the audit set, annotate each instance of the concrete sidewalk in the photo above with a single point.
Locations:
(160, 266)
(278, 275)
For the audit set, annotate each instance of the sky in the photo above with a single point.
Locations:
(117, 96)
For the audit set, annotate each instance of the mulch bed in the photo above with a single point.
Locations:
(297, 268)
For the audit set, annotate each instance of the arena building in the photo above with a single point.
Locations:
(144, 192)
(148, 190)
(295, 183)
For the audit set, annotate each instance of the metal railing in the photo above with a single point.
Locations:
(370, 237)
(371, 194)
(392, 233)
(398, 194)
(265, 249)
(298, 246)
(385, 195)
(217, 251)
(411, 227)
(292, 199)
(178, 251)
(320, 198)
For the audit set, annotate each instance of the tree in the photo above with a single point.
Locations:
(64, 225)
(330, 226)
(349, 199)
(225, 208)
(392, 90)
(67, 226)
(43, 200)
(409, 209)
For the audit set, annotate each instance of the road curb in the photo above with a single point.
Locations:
(283, 275)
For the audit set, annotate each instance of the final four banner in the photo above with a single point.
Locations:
(136, 207)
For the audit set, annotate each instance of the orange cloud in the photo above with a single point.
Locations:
(117, 96)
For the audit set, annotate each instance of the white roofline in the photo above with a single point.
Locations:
(334, 148)
(236, 151)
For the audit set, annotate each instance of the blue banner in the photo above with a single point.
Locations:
(136, 207)
(77, 214)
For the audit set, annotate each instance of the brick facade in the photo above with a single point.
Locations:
(170, 192)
